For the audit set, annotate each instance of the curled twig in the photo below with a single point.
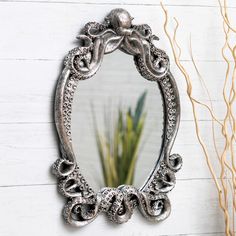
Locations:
(226, 156)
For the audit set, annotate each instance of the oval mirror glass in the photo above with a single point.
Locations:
(117, 124)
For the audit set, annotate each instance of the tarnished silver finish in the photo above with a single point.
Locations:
(83, 204)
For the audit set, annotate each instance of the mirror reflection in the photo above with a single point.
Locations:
(117, 124)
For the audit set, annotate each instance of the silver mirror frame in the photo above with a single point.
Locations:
(83, 204)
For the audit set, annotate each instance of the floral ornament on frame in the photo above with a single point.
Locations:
(83, 204)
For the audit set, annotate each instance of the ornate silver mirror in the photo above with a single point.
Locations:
(114, 173)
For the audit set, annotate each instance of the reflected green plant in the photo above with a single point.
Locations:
(118, 146)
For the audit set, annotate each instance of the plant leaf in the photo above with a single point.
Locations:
(139, 108)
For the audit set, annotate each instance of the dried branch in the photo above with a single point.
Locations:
(226, 156)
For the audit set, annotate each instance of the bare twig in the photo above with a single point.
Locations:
(226, 156)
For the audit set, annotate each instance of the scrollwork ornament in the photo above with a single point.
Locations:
(83, 204)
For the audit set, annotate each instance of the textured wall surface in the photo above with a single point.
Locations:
(34, 38)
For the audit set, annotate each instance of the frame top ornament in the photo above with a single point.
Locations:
(82, 62)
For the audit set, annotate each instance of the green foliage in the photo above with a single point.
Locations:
(118, 147)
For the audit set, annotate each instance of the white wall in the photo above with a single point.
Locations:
(34, 38)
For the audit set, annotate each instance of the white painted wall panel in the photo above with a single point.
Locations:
(47, 31)
(35, 211)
